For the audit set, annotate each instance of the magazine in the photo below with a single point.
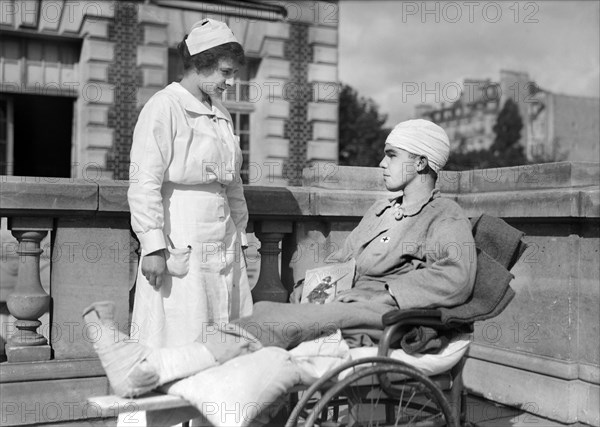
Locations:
(322, 284)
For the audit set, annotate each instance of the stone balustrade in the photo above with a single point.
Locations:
(28, 301)
(540, 355)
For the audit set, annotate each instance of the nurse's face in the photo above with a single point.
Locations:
(399, 167)
(215, 81)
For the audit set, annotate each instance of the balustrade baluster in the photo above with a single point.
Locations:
(28, 301)
(269, 286)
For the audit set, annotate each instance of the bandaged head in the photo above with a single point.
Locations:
(207, 34)
(423, 138)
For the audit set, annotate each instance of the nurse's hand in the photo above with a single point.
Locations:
(154, 266)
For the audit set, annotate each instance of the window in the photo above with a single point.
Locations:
(241, 127)
(35, 135)
(6, 137)
(48, 50)
(46, 65)
(175, 67)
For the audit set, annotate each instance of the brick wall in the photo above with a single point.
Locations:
(126, 34)
(299, 93)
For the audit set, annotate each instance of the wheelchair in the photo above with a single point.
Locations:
(382, 391)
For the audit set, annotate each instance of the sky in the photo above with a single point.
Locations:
(404, 53)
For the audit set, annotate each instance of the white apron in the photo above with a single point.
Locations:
(186, 191)
(214, 290)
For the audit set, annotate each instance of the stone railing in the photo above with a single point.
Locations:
(540, 355)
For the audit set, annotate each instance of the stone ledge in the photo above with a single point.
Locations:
(526, 177)
(50, 370)
(40, 196)
(550, 203)
(567, 401)
(343, 203)
(264, 201)
(43, 402)
(112, 197)
(75, 196)
(328, 190)
(563, 369)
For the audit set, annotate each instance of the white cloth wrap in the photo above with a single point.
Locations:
(207, 34)
(423, 138)
(235, 393)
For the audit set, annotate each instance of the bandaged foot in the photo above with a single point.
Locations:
(132, 368)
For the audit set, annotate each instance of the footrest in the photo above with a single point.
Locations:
(112, 405)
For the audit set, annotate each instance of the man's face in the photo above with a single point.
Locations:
(399, 167)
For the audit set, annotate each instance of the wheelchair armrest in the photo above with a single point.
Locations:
(397, 320)
(412, 317)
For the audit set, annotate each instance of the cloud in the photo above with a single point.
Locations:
(385, 48)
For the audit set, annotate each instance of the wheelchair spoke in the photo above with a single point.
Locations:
(410, 400)
(418, 412)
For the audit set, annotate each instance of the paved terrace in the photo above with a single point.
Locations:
(540, 357)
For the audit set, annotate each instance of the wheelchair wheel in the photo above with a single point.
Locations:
(407, 398)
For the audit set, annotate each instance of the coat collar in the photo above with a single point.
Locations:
(411, 209)
(190, 103)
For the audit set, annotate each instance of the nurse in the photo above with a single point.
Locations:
(186, 198)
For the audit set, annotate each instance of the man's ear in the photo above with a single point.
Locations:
(422, 164)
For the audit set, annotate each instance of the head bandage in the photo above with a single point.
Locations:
(207, 34)
(423, 138)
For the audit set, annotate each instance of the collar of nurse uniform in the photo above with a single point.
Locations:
(192, 104)
(413, 208)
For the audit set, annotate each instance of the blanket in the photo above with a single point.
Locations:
(499, 246)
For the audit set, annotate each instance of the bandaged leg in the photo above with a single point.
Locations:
(132, 368)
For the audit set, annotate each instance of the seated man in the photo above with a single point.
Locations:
(413, 251)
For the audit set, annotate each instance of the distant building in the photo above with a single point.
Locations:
(470, 119)
(74, 76)
(555, 127)
(564, 127)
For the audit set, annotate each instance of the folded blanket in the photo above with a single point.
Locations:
(498, 239)
(242, 390)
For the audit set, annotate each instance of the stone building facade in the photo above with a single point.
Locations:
(74, 76)
(564, 127)
(556, 127)
(470, 120)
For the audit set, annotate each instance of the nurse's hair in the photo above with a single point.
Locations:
(209, 59)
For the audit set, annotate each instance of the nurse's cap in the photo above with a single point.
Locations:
(207, 34)
(423, 138)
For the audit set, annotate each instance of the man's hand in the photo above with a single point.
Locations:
(366, 295)
(297, 292)
(154, 266)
